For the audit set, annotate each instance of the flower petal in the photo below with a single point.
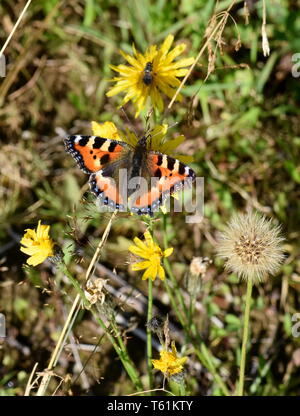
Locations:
(174, 53)
(141, 265)
(151, 272)
(139, 252)
(36, 259)
(167, 44)
(161, 272)
(149, 239)
(168, 252)
(140, 243)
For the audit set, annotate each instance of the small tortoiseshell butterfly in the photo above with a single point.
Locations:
(103, 159)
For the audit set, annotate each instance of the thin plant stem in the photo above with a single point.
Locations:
(58, 348)
(211, 36)
(245, 338)
(174, 303)
(204, 354)
(205, 357)
(177, 290)
(72, 314)
(119, 347)
(149, 317)
(182, 390)
(15, 27)
(190, 331)
(170, 273)
(29, 384)
(149, 334)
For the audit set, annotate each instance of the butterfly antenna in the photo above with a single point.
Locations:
(173, 125)
(147, 118)
(129, 122)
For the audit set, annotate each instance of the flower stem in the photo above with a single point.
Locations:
(212, 34)
(205, 357)
(121, 348)
(167, 265)
(245, 338)
(149, 334)
(71, 316)
(190, 330)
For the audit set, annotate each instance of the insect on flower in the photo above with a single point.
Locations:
(147, 78)
(150, 74)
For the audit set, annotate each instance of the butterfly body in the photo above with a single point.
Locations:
(147, 78)
(122, 175)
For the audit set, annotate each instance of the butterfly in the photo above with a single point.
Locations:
(113, 165)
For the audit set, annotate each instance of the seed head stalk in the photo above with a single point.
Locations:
(245, 337)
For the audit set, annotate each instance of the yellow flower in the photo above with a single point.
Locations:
(153, 254)
(169, 363)
(157, 141)
(162, 75)
(107, 130)
(37, 244)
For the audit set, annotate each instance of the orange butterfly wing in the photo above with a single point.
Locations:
(93, 153)
(170, 175)
(103, 158)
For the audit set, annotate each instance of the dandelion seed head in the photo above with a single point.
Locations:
(251, 246)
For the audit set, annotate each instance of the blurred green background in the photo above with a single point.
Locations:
(241, 126)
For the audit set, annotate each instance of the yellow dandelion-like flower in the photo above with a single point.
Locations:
(107, 130)
(153, 254)
(150, 74)
(169, 363)
(37, 244)
(252, 247)
(157, 142)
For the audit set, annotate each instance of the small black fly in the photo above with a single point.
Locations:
(147, 78)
